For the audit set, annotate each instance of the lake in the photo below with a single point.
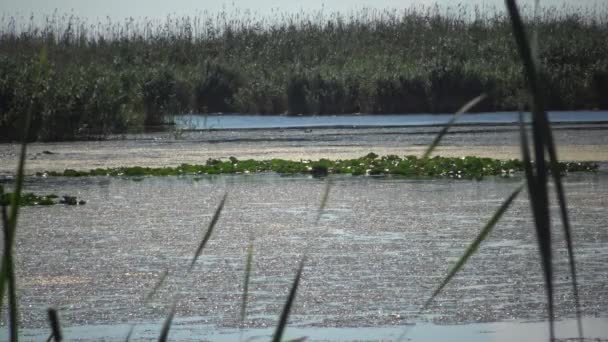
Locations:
(236, 121)
(379, 249)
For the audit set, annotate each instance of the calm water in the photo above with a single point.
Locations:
(596, 330)
(233, 121)
(380, 248)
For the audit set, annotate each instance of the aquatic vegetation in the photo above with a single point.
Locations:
(30, 199)
(536, 175)
(112, 77)
(371, 164)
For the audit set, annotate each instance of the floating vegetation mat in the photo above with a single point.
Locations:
(371, 164)
(30, 199)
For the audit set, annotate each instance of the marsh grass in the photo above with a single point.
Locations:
(536, 174)
(113, 77)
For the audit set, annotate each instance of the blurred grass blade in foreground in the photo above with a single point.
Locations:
(207, 236)
(9, 222)
(525, 152)
(130, 333)
(159, 283)
(55, 327)
(447, 126)
(468, 253)
(278, 333)
(324, 199)
(474, 245)
(537, 183)
(164, 333)
(248, 268)
(561, 197)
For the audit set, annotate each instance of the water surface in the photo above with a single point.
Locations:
(235, 121)
(381, 246)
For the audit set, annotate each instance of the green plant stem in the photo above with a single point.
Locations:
(248, 270)
(474, 245)
(282, 324)
(207, 236)
(541, 135)
(447, 126)
(164, 333)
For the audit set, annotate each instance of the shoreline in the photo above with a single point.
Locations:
(438, 125)
(68, 157)
(168, 149)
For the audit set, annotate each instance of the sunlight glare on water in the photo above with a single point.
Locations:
(373, 260)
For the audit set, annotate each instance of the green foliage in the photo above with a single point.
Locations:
(215, 89)
(371, 164)
(76, 102)
(27, 199)
(296, 95)
(159, 95)
(422, 60)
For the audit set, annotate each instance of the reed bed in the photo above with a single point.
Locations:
(537, 173)
(115, 76)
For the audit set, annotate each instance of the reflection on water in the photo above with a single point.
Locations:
(373, 259)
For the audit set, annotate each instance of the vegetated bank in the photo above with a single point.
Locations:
(31, 199)
(371, 164)
(110, 77)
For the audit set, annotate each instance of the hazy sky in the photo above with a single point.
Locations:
(118, 9)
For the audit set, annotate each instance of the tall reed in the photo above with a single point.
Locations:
(113, 76)
(536, 174)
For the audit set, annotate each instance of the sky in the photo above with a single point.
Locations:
(119, 9)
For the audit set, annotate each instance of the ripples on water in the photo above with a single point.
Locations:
(380, 248)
